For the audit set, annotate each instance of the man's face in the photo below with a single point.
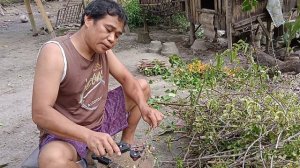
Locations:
(104, 33)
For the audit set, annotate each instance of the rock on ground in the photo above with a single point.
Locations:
(169, 48)
(155, 47)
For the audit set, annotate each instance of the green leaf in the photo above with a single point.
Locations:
(248, 5)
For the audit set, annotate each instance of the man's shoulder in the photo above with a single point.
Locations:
(60, 39)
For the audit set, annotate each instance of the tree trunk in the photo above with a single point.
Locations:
(265, 59)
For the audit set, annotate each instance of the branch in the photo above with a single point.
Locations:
(261, 151)
(278, 139)
(216, 157)
(173, 104)
(254, 143)
(283, 108)
(291, 137)
(188, 149)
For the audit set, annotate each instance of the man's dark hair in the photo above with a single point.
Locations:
(98, 9)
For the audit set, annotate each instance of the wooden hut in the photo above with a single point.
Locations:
(228, 15)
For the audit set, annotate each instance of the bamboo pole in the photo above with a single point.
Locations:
(31, 18)
(45, 17)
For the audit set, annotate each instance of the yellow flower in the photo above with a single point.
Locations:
(197, 67)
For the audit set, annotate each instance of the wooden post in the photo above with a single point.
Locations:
(229, 22)
(192, 36)
(146, 28)
(31, 18)
(45, 17)
(144, 36)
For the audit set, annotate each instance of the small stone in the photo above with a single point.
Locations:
(169, 48)
(43, 32)
(199, 45)
(155, 47)
(24, 19)
(297, 53)
(221, 33)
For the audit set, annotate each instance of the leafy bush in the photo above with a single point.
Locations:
(181, 21)
(136, 15)
(234, 116)
(248, 5)
(134, 12)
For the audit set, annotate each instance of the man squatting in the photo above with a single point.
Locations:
(71, 104)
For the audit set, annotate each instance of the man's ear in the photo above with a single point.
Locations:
(88, 21)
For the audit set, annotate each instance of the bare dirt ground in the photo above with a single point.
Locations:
(18, 51)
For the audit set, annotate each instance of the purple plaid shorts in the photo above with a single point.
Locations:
(114, 121)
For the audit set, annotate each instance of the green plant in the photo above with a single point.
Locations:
(136, 15)
(134, 12)
(234, 117)
(292, 30)
(181, 22)
(199, 33)
(175, 61)
(153, 68)
(248, 5)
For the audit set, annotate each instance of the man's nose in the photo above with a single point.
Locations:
(111, 38)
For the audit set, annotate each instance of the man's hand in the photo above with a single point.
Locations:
(102, 143)
(152, 116)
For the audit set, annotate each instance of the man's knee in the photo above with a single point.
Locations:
(145, 87)
(57, 154)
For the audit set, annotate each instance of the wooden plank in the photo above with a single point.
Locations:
(247, 21)
(206, 11)
(264, 28)
(216, 5)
